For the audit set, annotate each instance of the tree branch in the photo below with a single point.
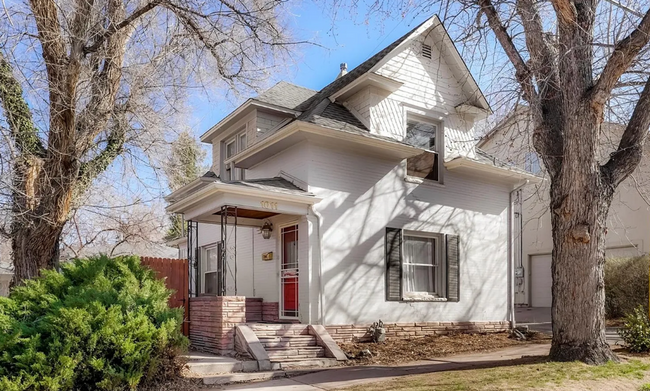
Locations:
(19, 116)
(115, 27)
(630, 149)
(522, 72)
(624, 53)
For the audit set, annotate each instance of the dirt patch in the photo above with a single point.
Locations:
(399, 351)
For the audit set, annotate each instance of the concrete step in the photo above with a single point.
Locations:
(290, 353)
(271, 330)
(207, 364)
(299, 363)
(242, 377)
(287, 341)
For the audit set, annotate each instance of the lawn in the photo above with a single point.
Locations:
(526, 374)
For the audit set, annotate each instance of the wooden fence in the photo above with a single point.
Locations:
(175, 273)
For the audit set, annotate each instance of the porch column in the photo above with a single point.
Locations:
(213, 320)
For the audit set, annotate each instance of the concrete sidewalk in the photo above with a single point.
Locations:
(334, 378)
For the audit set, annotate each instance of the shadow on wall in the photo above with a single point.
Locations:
(354, 225)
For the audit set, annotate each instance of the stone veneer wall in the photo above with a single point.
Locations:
(213, 320)
(270, 311)
(349, 333)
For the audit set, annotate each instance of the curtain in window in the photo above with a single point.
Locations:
(419, 255)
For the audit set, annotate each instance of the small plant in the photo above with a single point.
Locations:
(636, 331)
(645, 387)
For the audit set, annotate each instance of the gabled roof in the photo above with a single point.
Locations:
(310, 106)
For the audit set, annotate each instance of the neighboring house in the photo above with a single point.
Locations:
(365, 200)
(628, 223)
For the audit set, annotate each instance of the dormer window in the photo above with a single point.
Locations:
(426, 134)
(232, 147)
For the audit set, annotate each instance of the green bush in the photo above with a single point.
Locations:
(100, 323)
(636, 331)
(626, 285)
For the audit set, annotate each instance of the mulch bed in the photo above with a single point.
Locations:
(399, 351)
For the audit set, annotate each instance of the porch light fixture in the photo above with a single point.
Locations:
(266, 230)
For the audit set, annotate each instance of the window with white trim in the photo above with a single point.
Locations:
(423, 270)
(232, 147)
(421, 266)
(531, 163)
(210, 270)
(425, 134)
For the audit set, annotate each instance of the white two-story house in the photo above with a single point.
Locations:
(365, 200)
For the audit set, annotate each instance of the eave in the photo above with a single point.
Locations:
(299, 131)
(470, 166)
(369, 79)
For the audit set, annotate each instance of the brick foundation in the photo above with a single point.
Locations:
(253, 309)
(349, 333)
(270, 311)
(213, 320)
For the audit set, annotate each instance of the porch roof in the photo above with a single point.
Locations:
(255, 199)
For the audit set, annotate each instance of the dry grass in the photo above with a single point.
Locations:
(526, 374)
(399, 351)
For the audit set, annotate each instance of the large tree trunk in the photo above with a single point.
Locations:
(580, 202)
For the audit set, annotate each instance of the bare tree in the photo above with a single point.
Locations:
(575, 63)
(83, 81)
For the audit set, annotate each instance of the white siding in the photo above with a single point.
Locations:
(429, 85)
(362, 196)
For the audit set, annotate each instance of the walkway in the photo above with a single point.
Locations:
(335, 378)
(539, 319)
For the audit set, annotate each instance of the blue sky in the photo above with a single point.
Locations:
(344, 39)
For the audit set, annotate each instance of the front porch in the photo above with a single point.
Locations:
(252, 238)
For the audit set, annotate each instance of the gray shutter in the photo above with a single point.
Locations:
(453, 269)
(393, 248)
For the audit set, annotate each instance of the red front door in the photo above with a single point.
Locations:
(289, 273)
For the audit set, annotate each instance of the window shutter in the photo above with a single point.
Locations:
(393, 264)
(453, 269)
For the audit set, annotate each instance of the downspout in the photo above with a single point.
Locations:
(319, 249)
(511, 257)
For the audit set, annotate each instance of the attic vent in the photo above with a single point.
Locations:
(426, 50)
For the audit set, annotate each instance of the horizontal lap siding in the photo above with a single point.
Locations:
(363, 195)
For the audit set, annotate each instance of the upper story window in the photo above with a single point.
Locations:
(232, 147)
(427, 135)
(531, 163)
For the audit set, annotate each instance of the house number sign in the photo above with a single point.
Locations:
(269, 205)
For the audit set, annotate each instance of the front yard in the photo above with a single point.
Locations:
(531, 373)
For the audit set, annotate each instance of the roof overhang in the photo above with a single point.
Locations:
(243, 110)
(205, 204)
(299, 131)
(466, 165)
(369, 79)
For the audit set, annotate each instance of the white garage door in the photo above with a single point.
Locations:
(540, 280)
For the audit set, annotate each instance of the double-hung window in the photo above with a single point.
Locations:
(232, 147)
(421, 266)
(211, 272)
(531, 163)
(422, 274)
(425, 134)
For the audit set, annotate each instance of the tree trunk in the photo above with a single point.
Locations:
(40, 210)
(580, 201)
